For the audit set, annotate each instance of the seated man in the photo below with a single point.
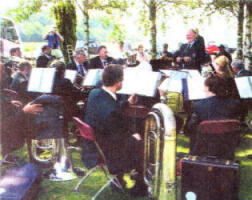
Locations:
(45, 58)
(21, 76)
(216, 106)
(239, 70)
(79, 63)
(104, 113)
(13, 120)
(102, 60)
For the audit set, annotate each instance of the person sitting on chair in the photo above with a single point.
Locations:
(13, 120)
(79, 63)
(102, 60)
(216, 106)
(45, 58)
(238, 69)
(122, 147)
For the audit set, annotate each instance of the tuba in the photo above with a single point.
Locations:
(160, 153)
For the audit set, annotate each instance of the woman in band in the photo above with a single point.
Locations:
(217, 105)
(223, 69)
(141, 56)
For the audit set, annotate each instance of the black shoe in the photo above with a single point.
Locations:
(139, 190)
(79, 171)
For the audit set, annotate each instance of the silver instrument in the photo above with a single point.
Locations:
(54, 152)
(160, 153)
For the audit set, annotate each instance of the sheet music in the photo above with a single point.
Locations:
(70, 74)
(175, 74)
(140, 82)
(93, 77)
(171, 85)
(41, 80)
(244, 86)
(195, 87)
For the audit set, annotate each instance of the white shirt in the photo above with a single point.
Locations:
(111, 93)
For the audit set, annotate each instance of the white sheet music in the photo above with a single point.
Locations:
(175, 74)
(70, 74)
(140, 82)
(195, 86)
(171, 85)
(93, 77)
(41, 80)
(244, 86)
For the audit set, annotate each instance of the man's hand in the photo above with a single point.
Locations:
(34, 109)
(132, 99)
(17, 104)
(137, 136)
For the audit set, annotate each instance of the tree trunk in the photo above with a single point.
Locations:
(86, 24)
(248, 30)
(66, 22)
(240, 18)
(153, 28)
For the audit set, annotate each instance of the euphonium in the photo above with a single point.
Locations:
(160, 153)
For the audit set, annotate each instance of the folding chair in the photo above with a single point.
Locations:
(217, 138)
(87, 133)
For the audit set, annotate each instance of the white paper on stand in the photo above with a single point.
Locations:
(140, 82)
(93, 77)
(41, 80)
(70, 74)
(244, 86)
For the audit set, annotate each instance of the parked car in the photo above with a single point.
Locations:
(9, 37)
(93, 45)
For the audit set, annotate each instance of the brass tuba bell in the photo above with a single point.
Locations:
(160, 153)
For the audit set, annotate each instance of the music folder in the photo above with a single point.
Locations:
(244, 86)
(93, 77)
(140, 82)
(70, 74)
(174, 81)
(41, 80)
(193, 86)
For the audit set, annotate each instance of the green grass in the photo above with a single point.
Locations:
(63, 190)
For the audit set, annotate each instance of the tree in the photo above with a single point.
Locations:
(248, 30)
(65, 14)
(151, 11)
(101, 5)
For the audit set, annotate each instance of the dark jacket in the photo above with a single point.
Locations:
(196, 52)
(44, 61)
(96, 63)
(105, 116)
(13, 125)
(73, 66)
(244, 72)
(18, 79)
(212, 108)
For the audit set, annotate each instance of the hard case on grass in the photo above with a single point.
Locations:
(20, 183)
(209, 178)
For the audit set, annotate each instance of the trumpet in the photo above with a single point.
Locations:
(160, 153)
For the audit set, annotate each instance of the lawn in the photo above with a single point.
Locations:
(63, 190)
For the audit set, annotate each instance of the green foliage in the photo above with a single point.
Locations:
(66, 22)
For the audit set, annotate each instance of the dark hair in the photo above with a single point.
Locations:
(22, 65)
(44, 47)
(216, 84)
(238, 64)
(112, 74)
(60, 67)
(14, 50)
(100, 48)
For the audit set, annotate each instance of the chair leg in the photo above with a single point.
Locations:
(103, 187)
(83, 178)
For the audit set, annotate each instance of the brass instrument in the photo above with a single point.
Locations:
(54, 151)
(160, 153)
